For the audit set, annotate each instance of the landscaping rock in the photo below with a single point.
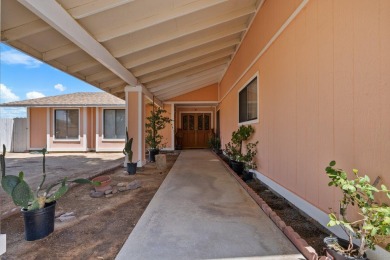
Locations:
(96, 194)
(114, 190)
(108, 192)
(122, 188)
(66, 217)
(161, 162)
(134, 185)
(122, 184)
(109, 195)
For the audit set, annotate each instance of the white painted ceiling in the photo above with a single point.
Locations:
(170, 47)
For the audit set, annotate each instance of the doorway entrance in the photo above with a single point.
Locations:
(196, 129)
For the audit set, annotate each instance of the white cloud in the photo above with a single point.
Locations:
(60, 87)
(6, 94)
(13, 112)
(14, 57)
(34, 94)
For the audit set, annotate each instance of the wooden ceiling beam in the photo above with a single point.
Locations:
(186, 57)
(158, 19)
(167, 37)
(159, 54)
(94, 7)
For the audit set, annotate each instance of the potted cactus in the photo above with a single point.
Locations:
(371, 227)
(38, 208)
(131, 167)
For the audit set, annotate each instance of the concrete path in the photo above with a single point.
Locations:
(58, 166)
(201, 212)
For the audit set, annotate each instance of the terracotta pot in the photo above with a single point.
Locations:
(105, 183)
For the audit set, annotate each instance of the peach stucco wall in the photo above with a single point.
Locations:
(323, 94)
(37, 127)
(167, 131)
(38, 131)
(209, 93)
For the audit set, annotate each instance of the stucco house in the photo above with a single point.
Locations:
(85, 121)
(311, 76)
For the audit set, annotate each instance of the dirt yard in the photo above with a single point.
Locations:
(101, 225)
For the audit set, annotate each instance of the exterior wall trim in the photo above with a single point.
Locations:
(29, 129)
(258, 99)
(54, 127)
(48, 128)
(276, 35)
(315, 213)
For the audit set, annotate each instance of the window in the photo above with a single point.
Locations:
(248, 102)
(114, 124)
(66, 123)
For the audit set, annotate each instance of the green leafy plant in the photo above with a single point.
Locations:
(127, 150)
(23, 196)
(155, 123)
(214, 143)
(373, 225)
(233, 149)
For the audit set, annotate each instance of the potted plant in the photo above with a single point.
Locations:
(38, 207)
(155, 122)
(249, 163)
(234, 148)
(215, 144)
(127, 150)
(373, 224)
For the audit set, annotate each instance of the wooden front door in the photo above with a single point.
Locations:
(196, 128)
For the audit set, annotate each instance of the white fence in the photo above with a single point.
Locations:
(13, 133)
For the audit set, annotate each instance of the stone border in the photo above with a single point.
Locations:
(15, 210)
(307, 251)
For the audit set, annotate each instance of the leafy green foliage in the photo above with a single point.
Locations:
(23, 196)
(233, 149)
(155, 123)
(373, 226)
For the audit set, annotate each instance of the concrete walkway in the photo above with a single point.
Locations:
(201, 212)
(58, 166)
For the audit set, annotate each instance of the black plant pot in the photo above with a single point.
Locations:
(131, 168)
(238, 167)
(336, 255)
(247, 175)
(39, 223)
(152, 154)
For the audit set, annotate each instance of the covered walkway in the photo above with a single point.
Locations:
(201, 212)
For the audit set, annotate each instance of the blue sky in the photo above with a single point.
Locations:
(23, 77)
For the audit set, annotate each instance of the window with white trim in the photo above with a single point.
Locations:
(66, 124)
(114, 124)
(248, 102)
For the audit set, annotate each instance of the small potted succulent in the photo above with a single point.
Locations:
(371, 227)
(127, 150)
(155, 123)
(38, 207)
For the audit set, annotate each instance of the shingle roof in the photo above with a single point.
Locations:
(79, 99)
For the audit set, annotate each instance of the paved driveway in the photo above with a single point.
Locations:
(58, 166)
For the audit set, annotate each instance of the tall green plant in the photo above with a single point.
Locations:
(23, 196)
(128, 147)
(233, 149)
(155, 123)
(373, 225)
